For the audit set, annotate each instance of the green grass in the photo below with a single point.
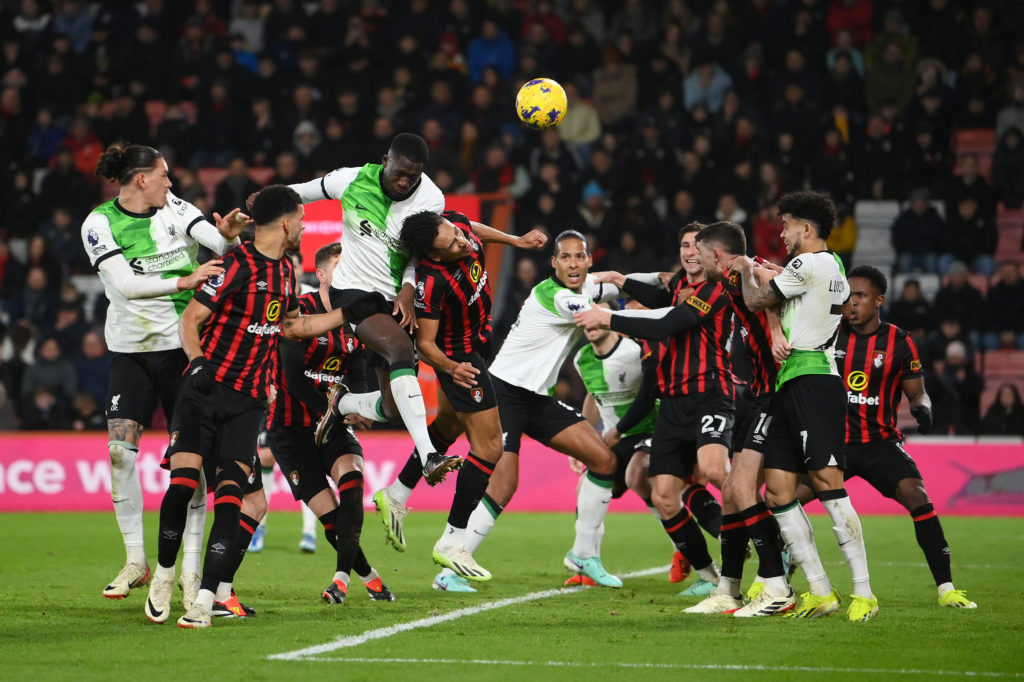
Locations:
(55, 625)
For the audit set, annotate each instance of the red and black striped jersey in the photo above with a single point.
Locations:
(326, 361)
(757, 337)
(458, 295)
(697, 360)
(873, 367)
(248, 302)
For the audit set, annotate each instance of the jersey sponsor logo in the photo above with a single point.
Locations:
(734, 278)
(263, 329)
(699, 304)
(160, 262)
(99, 249)
(915, 365)
(857, 381)
(273, 311)
(796, 264)
(92, 237)
(878, 359)
(474, 272)
(861, 399)
(322, 377)
(615, 398)
(331, 364)
(479, 287)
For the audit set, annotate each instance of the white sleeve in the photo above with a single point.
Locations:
(98, 240)
(654, 314)
(199, 229)
(600, 292)
(330, 186)
(652, 278)
(409, 274)
(795, 278)
(568, 303)
(115, 272)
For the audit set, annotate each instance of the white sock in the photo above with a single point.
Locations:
(452, 536)
(728, 586)
(777, 585)
(799, 538)
(343, 577)
(368, 405)
(268, 485)
(205, 601)
(710, 573)
(195, 525)
(598, 539)
(399, 492)
(163, 572)
(405, 389)
(223, 592)
(126, 493)
(480, 524)
(945, 587)
(369, 576)
(591, 507)
(309, 521)
(846, 526)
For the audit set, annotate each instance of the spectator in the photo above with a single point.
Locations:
(843, 239)
(615, 91)
(235, 188)
(69, 327)
(917, 235)
(706, 84)
(767, 242)
(52, 371)
(957, 297)
(12, 274)
(63, 238)
(959, 373)
(8, 417)
(1012, 115)
(844, 46)
(39, 254)
(892, 78)
(878, 162)
(971, 238)
(927, 163)
(492, 47)
(45, 412)
(1008, 168)
(499, 174)
(970, 184)
(1006, 415)
(933, 349)
(68, 186)
(1005, 309)
(22, 208)
(851, 15)
(86, 414)
(912, 310)
(38, 300)
(632, 255)
(582, 125)
(43, 139)
(249, 24)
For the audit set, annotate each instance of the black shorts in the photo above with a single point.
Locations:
(522, 411)
(624, 451)
(753, 429)
(807, 424)
(359, 305)
(477, 399)
(685, 424)
(222, 426)
(882, 463)
(306, 466)
(139, 380)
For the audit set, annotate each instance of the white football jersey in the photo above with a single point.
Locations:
(544, 334)
(154, 243)
(372, 258)
(614, 382)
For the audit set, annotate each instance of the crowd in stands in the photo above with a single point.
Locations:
(679, 110)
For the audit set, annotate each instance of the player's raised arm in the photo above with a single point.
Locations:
(297, 326)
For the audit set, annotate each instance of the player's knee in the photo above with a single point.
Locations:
(254, 504)
(912, 495)
(184, 482)
(667, 502)
(637, 479)
(775, 499)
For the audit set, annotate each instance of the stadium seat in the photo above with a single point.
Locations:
(977, 140)
(870, 212)
(261, 174)
(1009, 246)
(209, 178)
(90, 287)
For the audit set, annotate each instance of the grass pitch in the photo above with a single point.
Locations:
(55, 625)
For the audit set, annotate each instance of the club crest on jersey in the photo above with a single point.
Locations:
(273, 310)
(879, 359)
(478, 394)
(350, 343)
(92, 237)
(171, 231)
(474, 272)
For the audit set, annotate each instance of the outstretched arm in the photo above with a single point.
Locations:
(534, 239)
(296, 326)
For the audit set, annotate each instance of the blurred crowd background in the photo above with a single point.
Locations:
(909, 113)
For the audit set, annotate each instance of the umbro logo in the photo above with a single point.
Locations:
(261, 285)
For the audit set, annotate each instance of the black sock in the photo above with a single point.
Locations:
(705, 507)
(246, 527)
(327, 521)
(469, 489)
(687, 538)
(348, 522)
(173, 512)
(933, 542)
(361, 565)
(227, 508)
(412, 472)
(764, 531)
(734, 545)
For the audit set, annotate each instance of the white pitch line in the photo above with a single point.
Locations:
(345, 642)
(672, 666)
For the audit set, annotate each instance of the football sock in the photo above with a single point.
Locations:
(846, 526)
(412, 472)
(654, 512)
(348, 522)
(362, 567)
(705, 507)
(368, 575)
(799, 537)
(764, 533)
(469, 488)
(173, 510)
(405, 389)
(343, 578)
(308, 520)
(195, 527)
(204, 600)
(126, 493)
(481, 521)
(933, 543)
(246, 527)
(595, 492)
(367, 405)
(327, 521)
(227, 509)
(223, 592)
(734, 547)
(688, 539)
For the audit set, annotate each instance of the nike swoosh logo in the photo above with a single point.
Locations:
(360, 207)
(128, 247)
(153, 610)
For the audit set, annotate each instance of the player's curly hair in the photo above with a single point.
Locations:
(419, 232)
(272, 202)
(816, 208)
(726, 234)
(409, 145)
(122, 161)
(871, 274)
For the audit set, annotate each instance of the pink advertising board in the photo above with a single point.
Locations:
(71, 472)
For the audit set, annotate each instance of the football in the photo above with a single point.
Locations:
(541, 104)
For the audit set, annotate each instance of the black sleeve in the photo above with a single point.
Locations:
(355, 377)
(293, 364)
(677, 320)
(648, 294)
(644, 402)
